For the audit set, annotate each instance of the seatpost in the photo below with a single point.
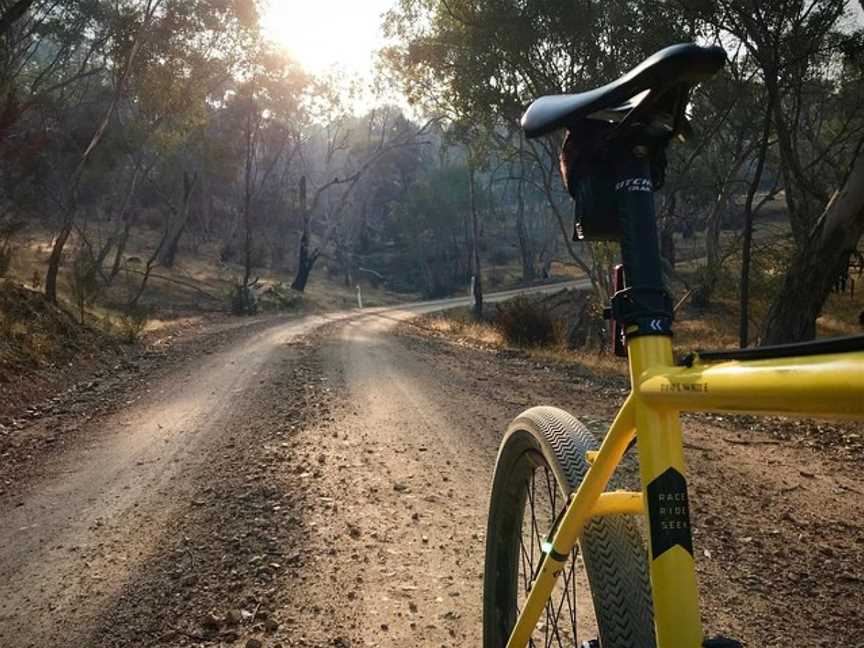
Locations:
(644, 307)
(645, 311)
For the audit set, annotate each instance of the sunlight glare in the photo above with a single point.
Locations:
(322, 34)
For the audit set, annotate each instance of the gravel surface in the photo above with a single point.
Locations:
(324, 482)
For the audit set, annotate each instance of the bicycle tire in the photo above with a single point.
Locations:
(613, 550)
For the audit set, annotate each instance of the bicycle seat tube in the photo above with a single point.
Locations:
(645, 311)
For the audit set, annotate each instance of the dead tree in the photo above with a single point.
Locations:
(307, 259)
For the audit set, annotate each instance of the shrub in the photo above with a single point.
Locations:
(711, 284)
(132, 322)
(768, 270)
(280, 297)
(525, 322)
(243, 300)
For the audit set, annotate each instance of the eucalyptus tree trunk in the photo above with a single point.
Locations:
(822, 258)
(153, 261)
(477, 288)
(744, 291)
(307, 259)
(713, 228)
(178, 224)
(529, 272)
(250, 136)
(71, 203)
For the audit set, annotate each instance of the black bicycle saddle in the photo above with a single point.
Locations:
(682, 65)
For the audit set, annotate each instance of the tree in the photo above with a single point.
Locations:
(348, 159)
(744, 291)
(70, 202)
(307, 259)
(12, 14)
(806, 30)
(809, 66)
(481, 63)
(476, 268)
(823, 258)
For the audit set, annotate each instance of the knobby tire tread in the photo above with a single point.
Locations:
(612, 547)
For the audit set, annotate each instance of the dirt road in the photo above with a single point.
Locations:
(77, 532)
(323, 482)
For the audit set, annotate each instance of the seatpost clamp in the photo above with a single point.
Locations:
(642, 310)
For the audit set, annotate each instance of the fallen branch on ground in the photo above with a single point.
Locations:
(179, 283)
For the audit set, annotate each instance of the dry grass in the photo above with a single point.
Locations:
(33, 333)
(196, 285)
(842, 313)
(458, 325)
(715, 327)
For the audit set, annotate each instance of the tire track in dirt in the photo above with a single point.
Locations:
(176, 515)
(333, 492)
(82, 531)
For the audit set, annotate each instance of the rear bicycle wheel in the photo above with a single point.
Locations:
(604, 590)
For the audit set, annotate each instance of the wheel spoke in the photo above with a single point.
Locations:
(538, 522)
(552, 490)
(527, 566)
(533, 520)
(535, 528)
(569, 576)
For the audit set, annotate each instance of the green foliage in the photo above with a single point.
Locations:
(525, 322)
(437, 207)
(126, 327)
(770, 264)
(482, 62)
(707, 281)
(32, 331)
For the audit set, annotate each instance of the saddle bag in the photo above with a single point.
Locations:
(589, 174)
(596, 216)
(590, 180)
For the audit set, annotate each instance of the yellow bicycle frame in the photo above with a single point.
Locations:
(818, 385)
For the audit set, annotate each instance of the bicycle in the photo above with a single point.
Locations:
(550, 472)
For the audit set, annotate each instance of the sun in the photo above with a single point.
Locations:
(323, 34)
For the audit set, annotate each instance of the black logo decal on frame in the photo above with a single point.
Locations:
(669, 513)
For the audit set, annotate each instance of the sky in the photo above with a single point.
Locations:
(321, 34)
